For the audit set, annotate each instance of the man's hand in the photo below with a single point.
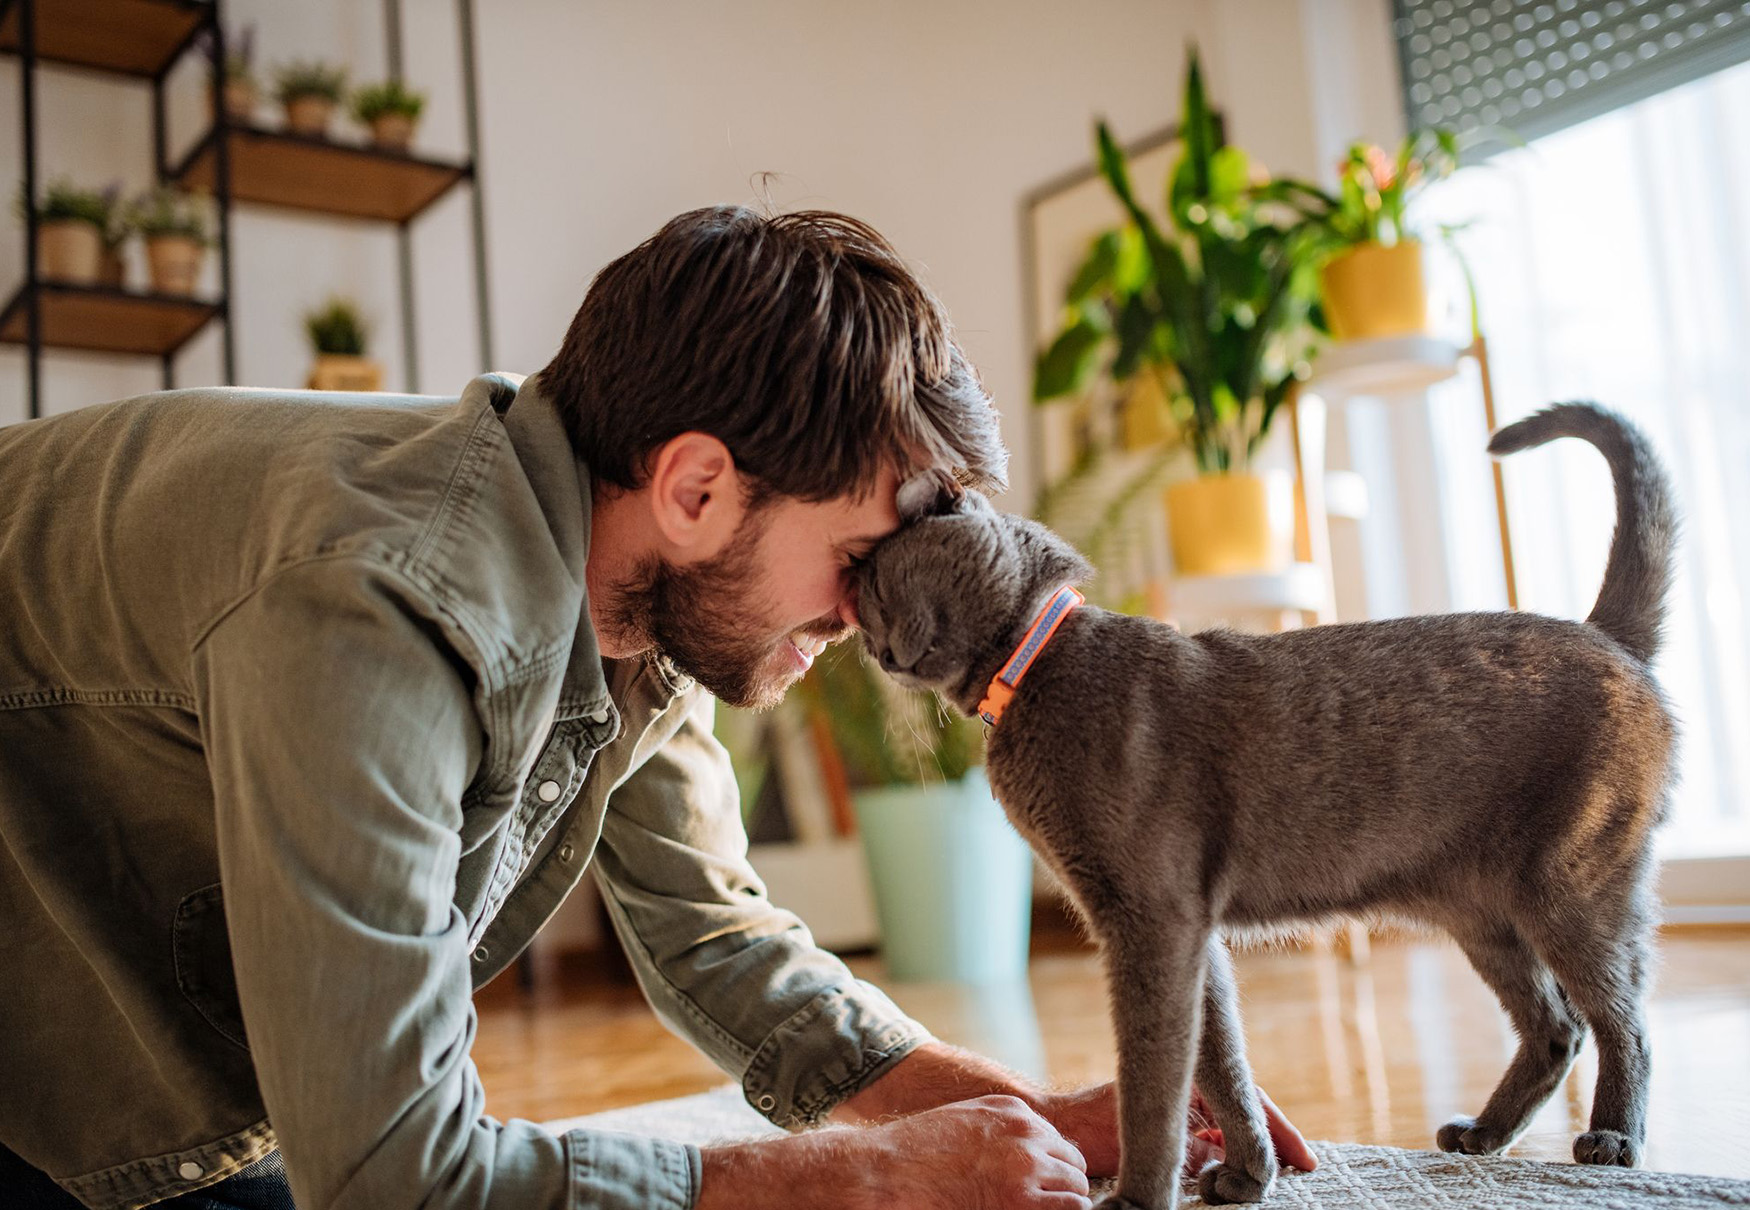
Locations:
(991, 1153)
(1089, 1119)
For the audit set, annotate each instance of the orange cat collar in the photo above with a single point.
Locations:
(1002, 688)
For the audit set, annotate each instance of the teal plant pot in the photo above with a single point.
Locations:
(953, 881)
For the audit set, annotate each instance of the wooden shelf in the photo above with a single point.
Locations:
(105, 320)
(349, 180)
(130, 37)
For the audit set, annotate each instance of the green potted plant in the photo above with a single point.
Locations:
(117, 226)
(953, 882)
(71, 223)
(239, 89)
(339, 337)
(391, 110)
(1373, 283)
(1210, 316)
(310, 91)
(174, 227)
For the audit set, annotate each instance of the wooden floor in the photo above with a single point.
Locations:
(1380, 1051)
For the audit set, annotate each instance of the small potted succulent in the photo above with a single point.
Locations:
(174, 228)
(309, 92)
(117, 226)
(339, 336)
(240, 89)
(70, 227)
(391, 110)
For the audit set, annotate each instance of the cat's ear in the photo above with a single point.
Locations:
(931, 493)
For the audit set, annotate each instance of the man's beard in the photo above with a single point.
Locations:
(706, 618)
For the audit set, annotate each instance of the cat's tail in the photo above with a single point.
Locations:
(1631, 605)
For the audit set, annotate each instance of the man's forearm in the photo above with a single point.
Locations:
(934, 1074)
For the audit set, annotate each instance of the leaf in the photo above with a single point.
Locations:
(1097, 270)
(1066, 366)
(1135, 330)
(1230, 173)
(1197, 126)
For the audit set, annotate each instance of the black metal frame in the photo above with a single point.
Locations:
(30, 293)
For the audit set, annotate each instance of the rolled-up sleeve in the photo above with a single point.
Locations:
(340, 732)
(725, 968)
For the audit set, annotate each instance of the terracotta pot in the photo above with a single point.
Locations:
(69, 250)
(392, 131)
(240, 99)
(1373, 291)
(345, 372)
(1231, 524)
(175, 263)
(309, 115)
(111, 270)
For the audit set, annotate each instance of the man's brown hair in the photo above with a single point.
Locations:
(801, 341)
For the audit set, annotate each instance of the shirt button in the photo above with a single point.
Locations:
(565, 852)
(767, 1104)
(191, 1171)
(548, 790)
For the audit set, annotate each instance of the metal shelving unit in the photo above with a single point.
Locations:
(143, 41)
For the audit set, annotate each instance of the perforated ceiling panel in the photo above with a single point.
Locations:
(1537, 67)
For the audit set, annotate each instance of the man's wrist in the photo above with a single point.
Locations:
(935, 1074)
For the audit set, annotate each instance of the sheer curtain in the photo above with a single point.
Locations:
(1613, 263)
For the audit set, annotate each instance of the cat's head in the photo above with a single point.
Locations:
(943, 601)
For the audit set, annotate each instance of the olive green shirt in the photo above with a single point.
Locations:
(304, 733)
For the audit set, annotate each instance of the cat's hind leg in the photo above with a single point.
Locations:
(1601, 952)
(1549, 1037)
(1225, 1079)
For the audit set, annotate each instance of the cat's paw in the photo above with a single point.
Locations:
(1607, 1147)
(1463, 1135)
(1221, 1185)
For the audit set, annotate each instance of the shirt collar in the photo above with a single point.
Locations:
(560, 481)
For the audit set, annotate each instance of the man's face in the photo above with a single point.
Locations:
(748, 622)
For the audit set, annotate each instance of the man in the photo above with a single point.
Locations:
(313, 708)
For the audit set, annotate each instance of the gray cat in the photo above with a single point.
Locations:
(1498, 775)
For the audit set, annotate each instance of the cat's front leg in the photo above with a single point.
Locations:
(1225, 1079)
(1155, 968)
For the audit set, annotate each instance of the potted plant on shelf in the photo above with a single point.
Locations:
(1204, 323)
(117, 226)
(71, 223)
(953, 882)
(1373, 283)
(338, 336)
(174, 228)
(309, 92)
(391, 110)
(239, 90)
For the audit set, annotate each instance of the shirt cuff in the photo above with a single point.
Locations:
(830, 1049)
(615, 1171)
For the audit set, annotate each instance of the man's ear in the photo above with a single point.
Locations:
(695, 494)
(931, 493)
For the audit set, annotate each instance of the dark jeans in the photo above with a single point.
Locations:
(261, 1186)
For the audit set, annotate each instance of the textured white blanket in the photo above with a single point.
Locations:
(1349, 1175)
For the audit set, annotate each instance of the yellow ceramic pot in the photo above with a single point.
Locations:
(1231, 524)
(344, 372)
(69, 250)
(1373, 290)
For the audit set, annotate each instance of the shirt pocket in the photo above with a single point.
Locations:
(204, 973)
